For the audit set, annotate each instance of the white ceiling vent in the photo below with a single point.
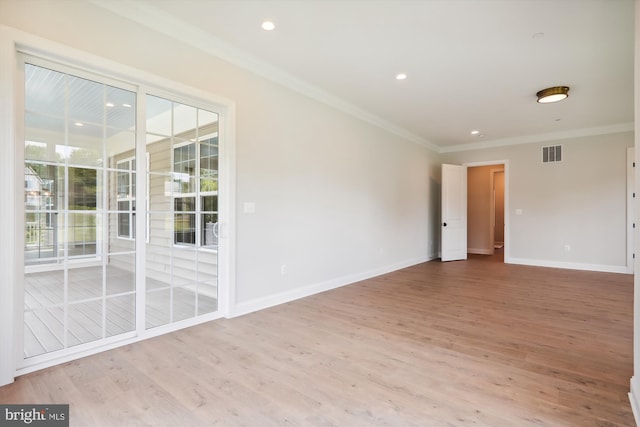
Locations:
(552, 154)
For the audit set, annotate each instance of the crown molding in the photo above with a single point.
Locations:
(543, 137)
(164, 23)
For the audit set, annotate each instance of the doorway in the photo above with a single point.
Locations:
(486, 208)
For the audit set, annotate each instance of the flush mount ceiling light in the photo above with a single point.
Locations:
(552, 94)
(268, 26)
(401, 76)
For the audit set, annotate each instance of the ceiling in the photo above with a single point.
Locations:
(470, 64)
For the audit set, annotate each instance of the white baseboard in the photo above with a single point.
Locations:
(569, 265)
(294, 294)
(634, 399)
(480, 251)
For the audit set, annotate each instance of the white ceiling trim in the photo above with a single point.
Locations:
(543, 137)
(166, 24)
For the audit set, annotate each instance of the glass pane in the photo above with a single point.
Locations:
(44, 137)
(41, 237)
(85, 144)
(185, 229)
(85, 101)
(184, 304)
(160, 192)
(121, 274)
(41, 183)
(207, 282)
(44, 91)
(85, 283)
(207, 300)
(159, 155)
(83, 186)
(158, 308)
(43, 289)
(210, 204)
(124, 224)
(120, 109)
(81, 234)
(184, 121)
(121, 314)
(43, 331)
(184, 267)
(85, 322)
(160, 236)
(207, 120)
(210, 230)
(159, 112)
(158, 262)
(68, 122)
(120, 143)
(118, 242)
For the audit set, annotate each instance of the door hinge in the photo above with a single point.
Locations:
(633, 225)
(634, 164)
(634, 256)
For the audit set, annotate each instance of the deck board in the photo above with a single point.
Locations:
(44, 298)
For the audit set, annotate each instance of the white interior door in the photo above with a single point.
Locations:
(454, 213)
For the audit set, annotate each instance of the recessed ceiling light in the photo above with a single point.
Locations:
(110, 104)
(401, 76)
(78, 124)
(268, 26)
(126, 105)
(475, 132)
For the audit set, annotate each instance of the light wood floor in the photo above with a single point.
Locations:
(438, 344)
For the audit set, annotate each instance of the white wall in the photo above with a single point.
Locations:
(337, 199)
(580, 202)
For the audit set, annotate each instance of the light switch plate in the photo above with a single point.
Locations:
(249, 207)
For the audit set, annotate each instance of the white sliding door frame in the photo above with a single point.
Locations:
(13, 43)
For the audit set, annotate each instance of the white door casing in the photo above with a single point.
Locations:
(454, 213)
(631, 173)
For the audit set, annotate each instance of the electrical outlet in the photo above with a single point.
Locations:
(283, 269)
(567, 248)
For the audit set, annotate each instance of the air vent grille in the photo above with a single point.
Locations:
(552, 154)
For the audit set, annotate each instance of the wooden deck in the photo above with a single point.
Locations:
(439, 344)
(91, 317)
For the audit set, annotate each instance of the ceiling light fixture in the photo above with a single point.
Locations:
(401, 76)
(268, 26)
(552, 94)
(475, 132)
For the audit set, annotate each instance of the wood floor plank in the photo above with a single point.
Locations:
(476, 342)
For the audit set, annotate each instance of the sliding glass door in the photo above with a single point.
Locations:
(78, 285)
(86, 184)
(182, 250)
